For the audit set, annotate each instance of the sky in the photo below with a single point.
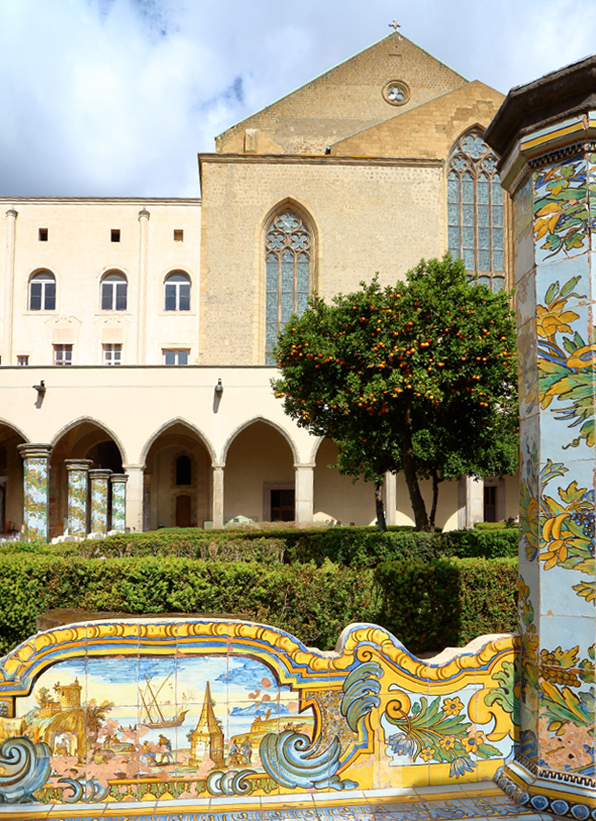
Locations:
(116, 97)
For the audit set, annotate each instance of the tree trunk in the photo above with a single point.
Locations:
(407, 455)
(433, 511)
(380, 507)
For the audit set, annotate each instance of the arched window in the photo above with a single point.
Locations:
(183, 470)
(475, 205)
(42, 292)
(177, 292)
(114, 292)
(288, 259)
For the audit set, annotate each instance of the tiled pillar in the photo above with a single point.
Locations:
(78, 491)
(100, 482)
(134, 497)
(304, 497)
(218, 495)
(546, 136)
(118, 482)
(36, 468)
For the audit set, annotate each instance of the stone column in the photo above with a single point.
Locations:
(78, 491)
(545, 133)
(134, 497)
(143, 263)
(100, 482)
(36, 468)
(118, 482)
(11, 225)
(470, 495)
(218, 495)
(305, 492)
(390, 499)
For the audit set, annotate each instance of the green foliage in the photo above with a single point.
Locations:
(419, 377)
(428, 605)
(448, 602)
(350, 546)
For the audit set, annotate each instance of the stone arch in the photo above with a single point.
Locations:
(11, 477)
(259, 476)
(177, 420)
(82, 438)
(315, 448)
(90, 420)
(167, 503)
(250, 422)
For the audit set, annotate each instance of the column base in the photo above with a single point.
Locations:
(562, 793)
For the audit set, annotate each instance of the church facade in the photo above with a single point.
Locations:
(137, 334)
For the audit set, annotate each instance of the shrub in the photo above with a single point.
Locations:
(448, 602)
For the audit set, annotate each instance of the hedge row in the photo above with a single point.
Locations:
(428, 605)
(353, 547)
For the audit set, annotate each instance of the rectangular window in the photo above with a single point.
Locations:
(175, 356)
(115, 235)
(178, 235)
(22, 360)
(112, 354)
(62, 354)
(43, 235)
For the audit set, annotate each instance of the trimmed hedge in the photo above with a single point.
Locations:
(448, 602)
(428, 605)
(350, 546)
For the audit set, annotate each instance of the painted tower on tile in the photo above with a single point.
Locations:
(545, 133)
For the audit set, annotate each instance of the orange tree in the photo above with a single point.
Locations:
(416, 377)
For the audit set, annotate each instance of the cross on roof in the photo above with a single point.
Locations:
(395, 26)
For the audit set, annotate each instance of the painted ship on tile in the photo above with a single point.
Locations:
(153, 717)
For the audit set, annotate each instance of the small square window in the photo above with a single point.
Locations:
(178, 235)
(43, 235)
(22, 360)
(175, 356)
(112, 354)
(115, 235)
(62, 354)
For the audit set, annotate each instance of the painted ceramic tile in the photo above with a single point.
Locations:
(77, 502)
(561, 219)
(35, 505)
(118, 506)
(522, 230)
(99, 503)
(188, 710)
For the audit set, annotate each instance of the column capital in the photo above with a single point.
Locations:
(12, 212)
(34, 450)
(132, 468)
(119, 477)
(144, 214)
(78, 464)
(305, 465)
(100, 473)
(218, 465)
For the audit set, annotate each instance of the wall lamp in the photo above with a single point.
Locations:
(218, 389)
(41, 388)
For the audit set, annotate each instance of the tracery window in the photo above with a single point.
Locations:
(288, 259)
(475, 210)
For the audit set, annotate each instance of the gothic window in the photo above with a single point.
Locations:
(288, 259)
(475, 206)
(42, 292)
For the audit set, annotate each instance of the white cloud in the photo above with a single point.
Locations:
(115, 97)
